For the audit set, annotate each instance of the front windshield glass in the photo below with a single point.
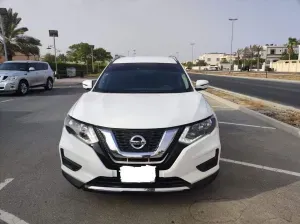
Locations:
(14, 66)
(143, 78)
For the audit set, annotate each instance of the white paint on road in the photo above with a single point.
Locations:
(246, 125)
(261, 167)
(4, 101)
(5, 216)
(6, 181)
(10, 218)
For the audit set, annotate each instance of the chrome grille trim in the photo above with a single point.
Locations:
(164, 143)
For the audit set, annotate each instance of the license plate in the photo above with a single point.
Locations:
(142, 174)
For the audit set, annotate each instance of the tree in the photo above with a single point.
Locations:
(257, 49)
(292, 42)
(201, 63)
(189, 64)
(16, 40)
(239, 55)
(79, 52)
(50, 58)
(224, 61)
(61, 58)
(101, 54)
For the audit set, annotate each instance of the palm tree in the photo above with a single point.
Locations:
(292, 42)
(239, 54)
(257, 49)
(16, 41)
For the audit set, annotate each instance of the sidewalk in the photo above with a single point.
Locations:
(70, 81)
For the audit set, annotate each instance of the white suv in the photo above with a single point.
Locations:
(19, 76)
(141, 127)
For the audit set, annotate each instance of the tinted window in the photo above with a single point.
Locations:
(39, 66)
(34, 65)
(14, 66)
(45, 66)
(143, 78)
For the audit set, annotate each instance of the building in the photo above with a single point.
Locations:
(20, 57)
(216, 58)
(272, 53)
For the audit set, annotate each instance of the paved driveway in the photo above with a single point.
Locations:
(258, 182)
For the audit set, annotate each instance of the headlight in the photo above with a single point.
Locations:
(82, 131)
(198, 130)
(11, 78)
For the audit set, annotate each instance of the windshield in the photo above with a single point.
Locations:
(14, 66)
(143, 78)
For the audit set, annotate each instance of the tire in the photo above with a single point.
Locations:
(49, 84)
(23, 88)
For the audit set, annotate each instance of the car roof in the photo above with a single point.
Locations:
(145, 59)
(25, 61)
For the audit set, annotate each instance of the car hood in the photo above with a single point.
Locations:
(140, 111)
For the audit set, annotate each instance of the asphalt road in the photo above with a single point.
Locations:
(279, 92)
(30, 129)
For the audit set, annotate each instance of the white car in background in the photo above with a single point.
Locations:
(20, 76)
(141, 127)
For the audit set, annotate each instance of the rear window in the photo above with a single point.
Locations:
(14, 66)
(143, 78)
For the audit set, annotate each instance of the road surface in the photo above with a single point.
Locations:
(33, 189)
(279, 92)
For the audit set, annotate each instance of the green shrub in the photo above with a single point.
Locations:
(81, 69)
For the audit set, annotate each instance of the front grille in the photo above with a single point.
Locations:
(152, 137)
(160, 182)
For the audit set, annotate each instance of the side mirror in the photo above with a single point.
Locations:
(31, 69)
(88, 84)
(201, 85)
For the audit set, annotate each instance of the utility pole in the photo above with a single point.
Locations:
(54, 33)
(192, 44)
(232, 26)
(3, 12)
(92, 49)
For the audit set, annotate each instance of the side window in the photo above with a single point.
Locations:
(39, 66)
(34, 65)
(45, 66)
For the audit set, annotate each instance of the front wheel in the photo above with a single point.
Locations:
(49, 84)
(23, 88)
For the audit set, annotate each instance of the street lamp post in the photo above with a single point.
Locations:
(192, 44)
(3, 12)
(92, 48)
(54, 33)
(177, 54)
(232, 25)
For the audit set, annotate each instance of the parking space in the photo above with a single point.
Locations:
(258, 182)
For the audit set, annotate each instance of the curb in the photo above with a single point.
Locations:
(240, 77)
(278, 124)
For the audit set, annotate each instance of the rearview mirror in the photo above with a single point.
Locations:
(88, 84)
(31, 69)
(201, 85)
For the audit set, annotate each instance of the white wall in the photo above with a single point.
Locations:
(286, 66)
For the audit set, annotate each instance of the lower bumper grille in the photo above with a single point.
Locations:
(115, 182)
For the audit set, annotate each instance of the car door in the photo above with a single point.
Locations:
(41, 73)
(32, 75)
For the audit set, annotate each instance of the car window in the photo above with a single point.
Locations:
(38, 66)
(143, 78)
(14, 66)
(34, 65)
(45, 66)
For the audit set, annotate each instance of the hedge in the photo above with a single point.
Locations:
(80, 69)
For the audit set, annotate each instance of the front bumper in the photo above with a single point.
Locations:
(8, 86)
(84, 168)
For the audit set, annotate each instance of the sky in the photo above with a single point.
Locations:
(159, 27)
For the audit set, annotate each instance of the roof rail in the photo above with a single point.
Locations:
(171, 56)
